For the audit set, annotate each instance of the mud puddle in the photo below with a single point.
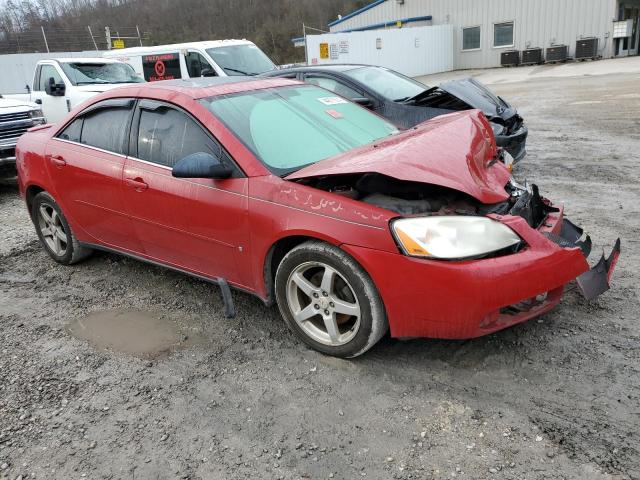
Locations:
(135, 332)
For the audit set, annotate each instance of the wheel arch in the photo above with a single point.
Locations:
(276, 252)
(30, 193)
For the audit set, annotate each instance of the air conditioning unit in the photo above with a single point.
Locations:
(557, 53)
(587, 48)
(532, 56)
(510, 58)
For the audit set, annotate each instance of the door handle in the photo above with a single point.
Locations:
(57, 160)
(137, 183)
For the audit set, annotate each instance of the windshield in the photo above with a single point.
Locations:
(91, 73)
(387, 83)
(241, 59)
(290, 127)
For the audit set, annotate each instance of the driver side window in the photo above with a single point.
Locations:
(196, 64)
(47, 72)
(333, 85)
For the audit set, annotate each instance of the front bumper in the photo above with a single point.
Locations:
(514, 143)
(467, 299)
(7, 162)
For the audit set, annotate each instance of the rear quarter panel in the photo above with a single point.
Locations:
(30, 159)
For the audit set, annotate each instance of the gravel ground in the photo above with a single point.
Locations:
(195, 395)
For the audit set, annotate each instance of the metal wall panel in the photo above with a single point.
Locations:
(412, 51)
(18, 68)
(537, 23)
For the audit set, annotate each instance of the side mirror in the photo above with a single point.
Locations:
(200, 165)
(364, 101)
(54, 89)
(28, 88)
(208, 72)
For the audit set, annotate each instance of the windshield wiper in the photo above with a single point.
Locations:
(92, 83)
(239, 71)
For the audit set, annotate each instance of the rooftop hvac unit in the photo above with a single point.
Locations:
(587, 48)
(557, 53)
(510, 58)
(532, 56)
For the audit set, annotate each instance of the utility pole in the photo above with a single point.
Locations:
(45, 38)
(139, 37)
(107, 33)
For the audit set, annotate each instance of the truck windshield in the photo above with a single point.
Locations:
(291, 127)
(387, 83)
(241, 59)
(92, 73)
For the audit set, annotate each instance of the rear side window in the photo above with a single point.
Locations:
(106, 128)
(73, 131)
(167, 135)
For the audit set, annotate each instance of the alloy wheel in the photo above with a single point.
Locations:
(323, 303)
(52, 229)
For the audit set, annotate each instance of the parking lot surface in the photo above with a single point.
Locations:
(116, 369)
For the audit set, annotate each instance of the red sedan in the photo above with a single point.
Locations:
(309, 201)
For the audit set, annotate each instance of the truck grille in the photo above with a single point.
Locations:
(12, 117)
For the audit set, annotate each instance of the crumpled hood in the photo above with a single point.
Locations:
(455, 151)
(477, 95)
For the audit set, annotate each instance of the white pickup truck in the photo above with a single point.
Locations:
(61, 84)
(15, 118)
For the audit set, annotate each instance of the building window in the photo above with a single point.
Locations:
(503, 34)
(471, 38)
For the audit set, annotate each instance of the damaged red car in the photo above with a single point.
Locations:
(307, 200)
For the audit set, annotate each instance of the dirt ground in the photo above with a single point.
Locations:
(195, 395)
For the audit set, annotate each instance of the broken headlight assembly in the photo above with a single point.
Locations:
(452, 237)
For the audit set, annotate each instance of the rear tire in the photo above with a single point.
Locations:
(329, 301)
(54, 231)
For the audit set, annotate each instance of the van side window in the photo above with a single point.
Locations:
(47, 72)
(197, 64)
(73, 131)
(167, 135)
(164, 66)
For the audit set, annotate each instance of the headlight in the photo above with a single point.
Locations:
(36, 113)
(452, 237)
(497, 128)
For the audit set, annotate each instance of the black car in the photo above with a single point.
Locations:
(407, 102)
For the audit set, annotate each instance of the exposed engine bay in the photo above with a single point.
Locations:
(415, 198)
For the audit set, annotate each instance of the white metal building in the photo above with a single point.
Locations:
(483, 29)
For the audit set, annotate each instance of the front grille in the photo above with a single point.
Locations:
(13, 132)
(12, 117)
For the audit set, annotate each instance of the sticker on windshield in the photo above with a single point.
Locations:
(332, 100)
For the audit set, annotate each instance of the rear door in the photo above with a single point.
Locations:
(85, 161)
(199, 225)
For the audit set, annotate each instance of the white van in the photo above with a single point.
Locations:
(196, 59)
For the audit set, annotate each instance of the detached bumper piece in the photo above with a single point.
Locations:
(596, 281)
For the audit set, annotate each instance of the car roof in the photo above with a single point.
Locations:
(204, 87)
(82, 60)
(337, 67)
(174, 46)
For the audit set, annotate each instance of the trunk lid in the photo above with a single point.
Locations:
(456, 151)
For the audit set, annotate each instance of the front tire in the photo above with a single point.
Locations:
(329, 301)
(54, 231)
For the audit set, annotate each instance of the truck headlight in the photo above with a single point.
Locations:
(452, 237)
(37, 115)
(497, 128)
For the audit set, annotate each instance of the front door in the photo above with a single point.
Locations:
(54, 106)
(85, 161)
(199, 225)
